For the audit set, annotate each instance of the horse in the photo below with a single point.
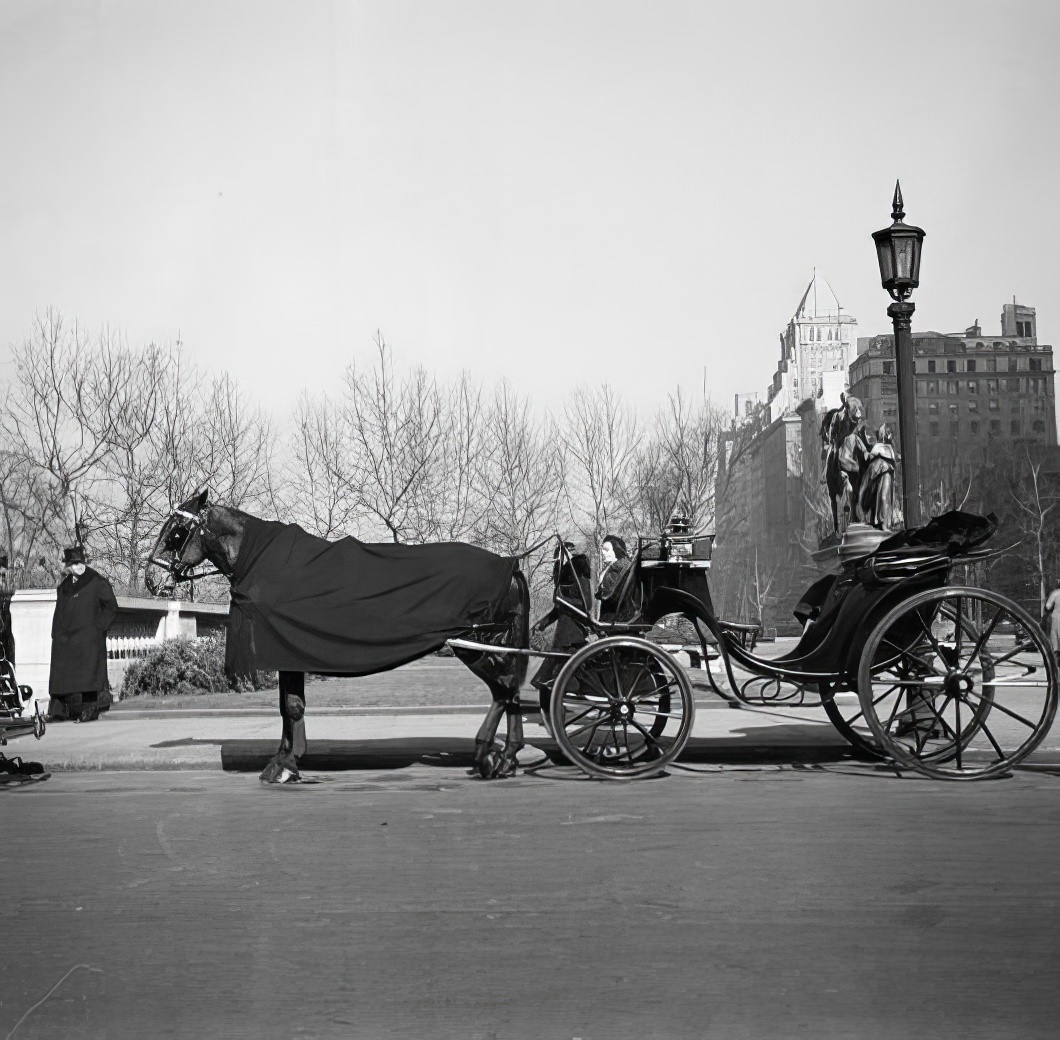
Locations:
(833, 432)
(413, 599)
(841, 439)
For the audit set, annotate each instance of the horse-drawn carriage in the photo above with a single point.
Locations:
(951, 681)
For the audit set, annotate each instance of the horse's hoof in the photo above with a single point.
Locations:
(277, 773)
(284, 776)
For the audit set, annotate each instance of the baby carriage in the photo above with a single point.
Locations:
(14, 718)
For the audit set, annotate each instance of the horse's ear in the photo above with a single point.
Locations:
(200, 502)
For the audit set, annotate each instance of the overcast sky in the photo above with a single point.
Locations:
(556, 192)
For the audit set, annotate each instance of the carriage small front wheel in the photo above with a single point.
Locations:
(958, 683)
(622, 708)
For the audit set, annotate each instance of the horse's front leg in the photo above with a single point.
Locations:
(283, 766)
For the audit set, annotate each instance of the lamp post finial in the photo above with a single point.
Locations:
(898, 210)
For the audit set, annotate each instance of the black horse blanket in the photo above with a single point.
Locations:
(304, 604)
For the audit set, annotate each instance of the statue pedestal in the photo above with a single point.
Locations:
(858, 540)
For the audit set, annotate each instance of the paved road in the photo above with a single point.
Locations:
(737, 902)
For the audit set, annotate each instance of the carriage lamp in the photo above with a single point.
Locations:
(898, 251)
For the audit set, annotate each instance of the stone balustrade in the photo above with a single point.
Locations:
(140, 624)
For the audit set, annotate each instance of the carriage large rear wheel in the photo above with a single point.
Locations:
(842, 704)
(958, 683)
(844, 712)
(622, 708)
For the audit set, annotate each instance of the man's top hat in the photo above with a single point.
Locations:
(74, 554)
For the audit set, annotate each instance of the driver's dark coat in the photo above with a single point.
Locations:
(304, 604)
(84, 610)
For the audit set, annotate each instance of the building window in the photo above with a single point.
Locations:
(973, 407)
(991, 386)
(931, 365)
(932, 386)
(934, 429)
(953, 408)
(953, 386)
(995, 425)
(995, 404)
(991, 364)
(1038, 426)
(1015, 425)
(951, 364)
(888, 368)
(933, 408)
(973, 386)
(973, 426)
(1013, 364)
(971, 366)
(955, 430)
(1012, 385)
(1035, 364)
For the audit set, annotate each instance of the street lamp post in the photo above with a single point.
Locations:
(898, 250)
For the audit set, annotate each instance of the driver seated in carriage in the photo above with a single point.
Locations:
(613, 587)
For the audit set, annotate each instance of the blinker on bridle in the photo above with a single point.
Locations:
(175, 541)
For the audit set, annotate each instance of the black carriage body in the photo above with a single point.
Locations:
(954, 682)
(839, 613)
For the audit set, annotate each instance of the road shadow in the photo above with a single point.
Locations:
(779, 744)
(334, 755)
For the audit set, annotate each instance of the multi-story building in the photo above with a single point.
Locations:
(976, 396)
(762, 520)
(973, 391)
(816, 350)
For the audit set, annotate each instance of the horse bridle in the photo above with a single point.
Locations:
(175, 541)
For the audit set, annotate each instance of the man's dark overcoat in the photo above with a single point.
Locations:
(84, 609)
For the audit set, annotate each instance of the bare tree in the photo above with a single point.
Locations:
(523, 477)
(100, 440)
(397, 435)
(455, 500)
(58, 415)
(677, 467)
(1034, 494)
(600, 434)
(315, 491)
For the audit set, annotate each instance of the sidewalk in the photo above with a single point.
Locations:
(366, 739)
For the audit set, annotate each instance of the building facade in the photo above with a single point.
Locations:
(973, 391)
(770, 508)
(816, 351)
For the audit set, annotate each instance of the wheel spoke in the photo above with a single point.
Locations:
(981, 642)
(649, 740)
(995, 705)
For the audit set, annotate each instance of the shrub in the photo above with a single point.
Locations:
(178, 666)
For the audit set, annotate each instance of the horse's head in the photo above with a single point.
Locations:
(184, 544)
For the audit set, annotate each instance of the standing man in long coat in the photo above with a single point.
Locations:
(85, 607)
